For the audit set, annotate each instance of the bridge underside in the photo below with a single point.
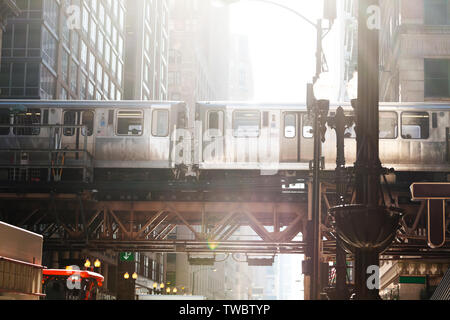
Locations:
(79, 222)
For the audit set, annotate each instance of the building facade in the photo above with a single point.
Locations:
(64, 50)
(348, 22)
(8, 8)
(414, 49)
(147, 50)
(411, 280)
(83, 50)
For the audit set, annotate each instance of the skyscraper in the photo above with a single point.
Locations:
(199, 52)
(147, 50)
(241, 73)
(64, 50)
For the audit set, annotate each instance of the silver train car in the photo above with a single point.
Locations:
(277, 138)
(139, 140)
(130, 136)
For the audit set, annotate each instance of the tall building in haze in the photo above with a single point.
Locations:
(199, 52)
(147, 50)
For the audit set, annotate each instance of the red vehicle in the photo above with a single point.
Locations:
(71, 284)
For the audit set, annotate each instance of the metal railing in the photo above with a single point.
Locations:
(17, 153)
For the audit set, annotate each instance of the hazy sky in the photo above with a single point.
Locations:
(282, 48)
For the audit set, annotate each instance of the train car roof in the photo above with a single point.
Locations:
(333, 105)
(89, 103)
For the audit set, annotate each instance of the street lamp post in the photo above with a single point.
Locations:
(319, 110)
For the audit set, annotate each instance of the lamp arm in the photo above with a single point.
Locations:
(289, 9)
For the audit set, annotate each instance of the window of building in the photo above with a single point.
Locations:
(74, 43)
(85, 21)
(100, 43)
(5, 119)
(84, 54)
(51, 14)
(290, 125)
(49, 48)
(437, 78)
(73, 76)
(388, 125)
(130, 123)
(93, 33)
(28, 118)
(160, 123)
(48, 84)
(99, 74)
(92, 64)
(436, 12)
(65, 65)
(83, 86)
(91, 91)
(415, 125)
(246, 123)
(106, 84)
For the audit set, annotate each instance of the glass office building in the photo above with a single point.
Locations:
(64, 49)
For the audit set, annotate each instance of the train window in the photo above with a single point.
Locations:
(160, 125)
(28, 118)
(265, 119)
(415, 125)
(246, 124)
(88, 121)
(215, 123)
(307, 124)
(290, 125)
(70, 119)
(5, 119)
(181, 121)
(130, 123)
(388, 125)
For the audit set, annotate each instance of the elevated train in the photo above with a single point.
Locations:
(145, 140)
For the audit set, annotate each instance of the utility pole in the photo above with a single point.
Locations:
(368, 226)
(340, 122)
(367, 122)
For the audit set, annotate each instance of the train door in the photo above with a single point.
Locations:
(160, 138)
(246, 136)
(269, 151)
(289, 137)
(74, 138)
